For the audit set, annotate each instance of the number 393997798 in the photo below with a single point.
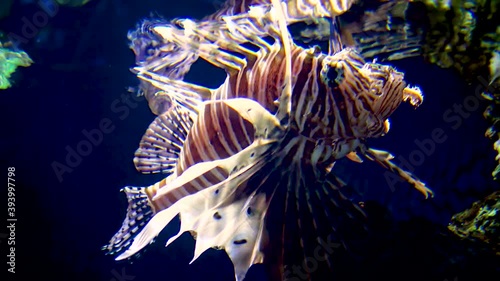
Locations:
(11, 219)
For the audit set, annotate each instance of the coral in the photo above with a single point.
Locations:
(462, 34)
(481, 222)
(10, 59)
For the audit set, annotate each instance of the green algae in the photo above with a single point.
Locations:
(9, 61)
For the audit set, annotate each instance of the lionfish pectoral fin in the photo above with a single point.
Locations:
(232, 228)
(384, 158)
(249, 236)
(221, 215)
(306, 211)
(139, 212)
(161, 144)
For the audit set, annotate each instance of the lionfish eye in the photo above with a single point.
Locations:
(335, 75)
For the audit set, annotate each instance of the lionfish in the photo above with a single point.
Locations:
(249, 163)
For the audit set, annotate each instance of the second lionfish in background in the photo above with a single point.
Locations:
(249, 162)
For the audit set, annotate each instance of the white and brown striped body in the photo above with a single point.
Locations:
(330, 118)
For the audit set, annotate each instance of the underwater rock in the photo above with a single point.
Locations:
(463, 35)
(10, 59)
(492, 114)
(480, 223)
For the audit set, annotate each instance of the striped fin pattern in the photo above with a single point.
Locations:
(312, 217)
(161, 145)
(161, 56)
(139, 212)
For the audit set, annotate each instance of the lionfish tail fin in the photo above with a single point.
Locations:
(150, 231)
(139, 212)
(161, 144)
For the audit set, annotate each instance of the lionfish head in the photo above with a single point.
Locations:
(376, 90)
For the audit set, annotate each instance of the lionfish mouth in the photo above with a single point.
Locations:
(413, 95)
